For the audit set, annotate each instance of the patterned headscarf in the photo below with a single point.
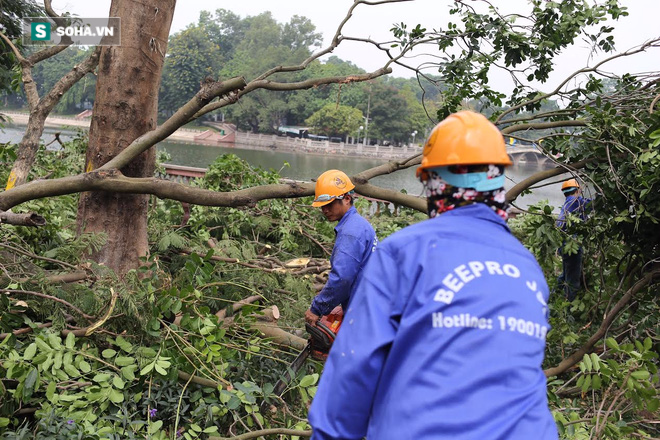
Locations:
(442, 197)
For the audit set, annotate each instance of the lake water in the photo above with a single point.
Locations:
(308, 166)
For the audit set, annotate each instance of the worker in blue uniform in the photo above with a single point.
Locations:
(575, 205)
(445, 336)
(355, 240)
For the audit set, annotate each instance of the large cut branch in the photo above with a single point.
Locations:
(209, 91)
(26, 219)
(114, 181)
(650, 278)
(279, 86)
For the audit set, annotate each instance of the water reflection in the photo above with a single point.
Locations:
(308, 166)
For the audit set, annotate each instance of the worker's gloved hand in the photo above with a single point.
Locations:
(310, 317)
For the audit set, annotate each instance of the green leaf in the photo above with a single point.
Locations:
(129, 372)
(71, 370)
(4, 421)
(54, 340)
(648, 343)
(124, 344)
(30, 351)
(595, 360)
(640, 374)
(587, 383)
(122, 361)
(108, 353)
(155, 426)
(84, 366)
(612, 344)
(117, 382)
(116, 396)
(101, 378)
(70, 341)
(652, 405)
(30, 383)
(50, 390)
(596, 382)
(160, 369)
(309, 380)
(147, 369)
(587, 361)
(234, 403)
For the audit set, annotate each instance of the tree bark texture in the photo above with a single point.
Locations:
(126, 107)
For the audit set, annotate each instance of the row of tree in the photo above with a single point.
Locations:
(222, 44)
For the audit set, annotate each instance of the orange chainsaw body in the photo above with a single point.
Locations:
(324, 332)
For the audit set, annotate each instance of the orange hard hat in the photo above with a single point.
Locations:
(464, 138)
(331, 185)
(569, 185)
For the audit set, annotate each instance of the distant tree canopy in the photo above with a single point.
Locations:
(336, 120)
(223, 44)
(11, 12)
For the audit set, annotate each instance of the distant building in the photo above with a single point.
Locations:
(293, 131)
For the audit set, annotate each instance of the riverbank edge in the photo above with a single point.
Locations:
(186, 136)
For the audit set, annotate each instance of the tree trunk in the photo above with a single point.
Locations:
(126, 107)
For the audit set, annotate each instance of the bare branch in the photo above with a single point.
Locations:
(50, 297)
(67, 81)
(514, 192)
(206, 94)
(46, 53)
(13, 48)
(542, 125)
(542, 96)
(271, 85)
(48, 6)
(36, 257)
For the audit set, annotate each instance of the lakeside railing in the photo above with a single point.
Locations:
(274, 142)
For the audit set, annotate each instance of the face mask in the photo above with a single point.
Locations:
(442, 197)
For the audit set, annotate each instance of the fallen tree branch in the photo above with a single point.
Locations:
(222, 314)
(263, 432)
(26, 219)
(518, 188)
(574, 358)
(25, 330)
(209, 91)
(36, 257)
(279, 336)
(52, 298)
(185, 377)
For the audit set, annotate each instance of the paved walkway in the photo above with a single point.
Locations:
(253, 141)
(182, 134)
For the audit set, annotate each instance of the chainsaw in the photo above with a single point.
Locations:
(321, 336)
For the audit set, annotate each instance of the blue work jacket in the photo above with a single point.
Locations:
(355, 241)
(576, 205)
(444, 339)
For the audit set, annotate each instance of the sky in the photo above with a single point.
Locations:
(375, 22)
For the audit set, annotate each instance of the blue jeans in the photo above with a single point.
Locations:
(571, 276)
